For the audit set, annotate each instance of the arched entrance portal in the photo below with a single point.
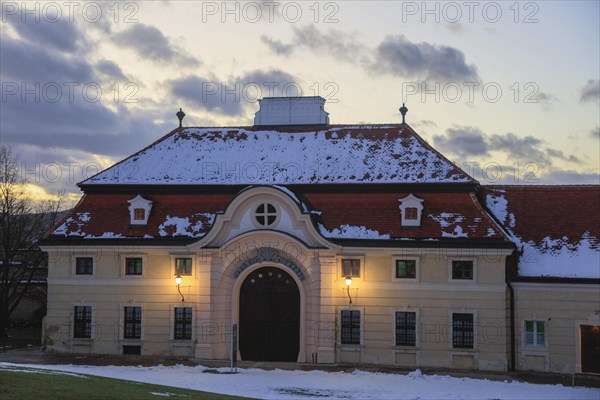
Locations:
(269, 316)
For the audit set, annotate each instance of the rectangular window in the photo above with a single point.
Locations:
(406, 328)
(535, 333)
(462, 269)
(139, 214)
(133, 323)
(84, 266)
(350, 267)
(463, 333)
(82, 324)
(183, 323)
(133, 266)
(410, 212)
(132, 350)
(183, 266)
(350, 327)
(406, 269)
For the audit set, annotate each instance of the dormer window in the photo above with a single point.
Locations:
(411, 208)
(139, 210)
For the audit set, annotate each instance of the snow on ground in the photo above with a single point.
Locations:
(279, 384)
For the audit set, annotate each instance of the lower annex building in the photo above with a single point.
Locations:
(356, 244)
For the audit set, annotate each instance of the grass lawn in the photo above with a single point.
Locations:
(28, 383)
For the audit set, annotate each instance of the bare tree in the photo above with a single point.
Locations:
(23, 222)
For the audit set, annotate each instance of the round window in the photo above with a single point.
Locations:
(265, 214)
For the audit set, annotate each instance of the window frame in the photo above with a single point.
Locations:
(417, 261)
(127, 321)
(473, 315)
(182, 257)
(361, 266)
(416, 328)
(73, 260)
(91, 273)
(353, 328)
(451, 278)
(175, 323)
(535, 344)
(266, 214)
(88, 323)
(408, 213)
(135, 214)
(124, 265)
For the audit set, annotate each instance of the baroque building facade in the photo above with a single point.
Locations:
(319, 243)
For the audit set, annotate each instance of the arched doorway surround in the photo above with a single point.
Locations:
(245, 273)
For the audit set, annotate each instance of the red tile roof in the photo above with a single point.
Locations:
(556, 228)
(555, 212)
(107, 216)
(99, 214)
(442, 212)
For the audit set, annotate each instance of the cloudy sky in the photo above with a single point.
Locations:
(507, 90)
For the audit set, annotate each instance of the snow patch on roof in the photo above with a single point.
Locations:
(194, 226)
(457, 233)
(444, 219)
(73, 225)
(497, 205)
(561, 258)
(351, 232)
(449, 220)
(106, 235)
(511, 220)
(365, 154)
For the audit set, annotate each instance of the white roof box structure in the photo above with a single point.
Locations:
(291, 111)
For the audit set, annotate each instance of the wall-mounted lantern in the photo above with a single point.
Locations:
(348, 283)
(178, 282)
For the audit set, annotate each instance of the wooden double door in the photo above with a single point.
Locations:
(269, 319)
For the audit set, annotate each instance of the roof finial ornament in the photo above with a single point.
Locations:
(403, 111)
(180, 114)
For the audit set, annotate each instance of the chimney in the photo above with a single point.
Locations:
(278, 111)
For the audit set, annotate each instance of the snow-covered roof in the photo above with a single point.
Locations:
(286, 155)
(557, 228)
